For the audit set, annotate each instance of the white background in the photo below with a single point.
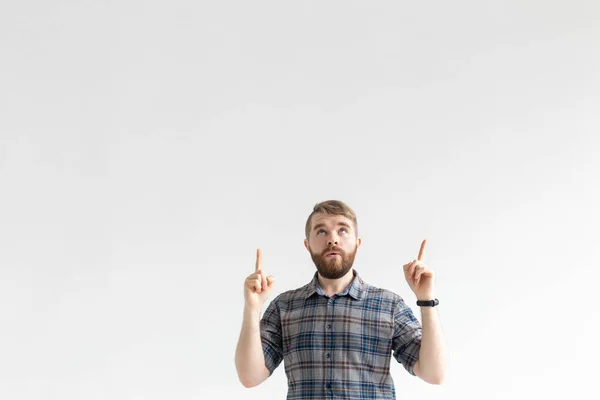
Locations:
(148, 148)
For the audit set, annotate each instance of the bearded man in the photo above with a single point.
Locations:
(337, 334)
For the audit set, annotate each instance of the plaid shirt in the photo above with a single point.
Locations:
(339, 346)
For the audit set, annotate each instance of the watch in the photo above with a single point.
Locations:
(428, 303)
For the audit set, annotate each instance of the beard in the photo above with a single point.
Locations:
(334, 267)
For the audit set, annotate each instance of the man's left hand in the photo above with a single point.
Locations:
(419, 276)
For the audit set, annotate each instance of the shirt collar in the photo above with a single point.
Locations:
(355, 289)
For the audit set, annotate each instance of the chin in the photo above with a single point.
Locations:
(335, 273)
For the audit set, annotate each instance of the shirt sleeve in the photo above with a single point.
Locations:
(406, 342)
(270, 335)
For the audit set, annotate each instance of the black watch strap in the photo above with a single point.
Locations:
(428, 303)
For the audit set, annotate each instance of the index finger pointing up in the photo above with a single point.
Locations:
(420, 258)
(258, 260)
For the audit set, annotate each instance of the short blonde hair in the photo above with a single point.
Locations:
(332, 207)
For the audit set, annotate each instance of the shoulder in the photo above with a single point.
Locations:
(383, 297)
(374, 292)
(291, 296)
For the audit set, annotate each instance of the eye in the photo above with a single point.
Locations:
(320, 231)
(344, 230)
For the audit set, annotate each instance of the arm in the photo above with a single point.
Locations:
(249, 357)
(432, 363)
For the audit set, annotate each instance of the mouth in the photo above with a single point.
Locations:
(332, 254)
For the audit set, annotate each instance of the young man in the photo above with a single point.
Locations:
(336, 335)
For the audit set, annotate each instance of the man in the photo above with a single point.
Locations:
(336, 335)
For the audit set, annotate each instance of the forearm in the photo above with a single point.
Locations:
(249, 356)
(433, 358)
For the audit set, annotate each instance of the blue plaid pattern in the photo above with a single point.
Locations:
(340, 346)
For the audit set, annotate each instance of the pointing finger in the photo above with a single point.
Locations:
(258, 260)
(422, 250)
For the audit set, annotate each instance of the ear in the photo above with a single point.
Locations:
(306, 244)
(358, 242)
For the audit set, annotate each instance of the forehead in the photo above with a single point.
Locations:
(330, 220)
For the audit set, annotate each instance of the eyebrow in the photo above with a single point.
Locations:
(321, 225)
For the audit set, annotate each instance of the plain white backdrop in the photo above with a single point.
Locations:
(148, 148)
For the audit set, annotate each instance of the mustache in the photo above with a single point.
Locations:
(333, 250)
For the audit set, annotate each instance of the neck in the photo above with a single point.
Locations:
(333, 286)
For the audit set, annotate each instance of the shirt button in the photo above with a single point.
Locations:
(328, 386)
(328, 326)
(327, 355)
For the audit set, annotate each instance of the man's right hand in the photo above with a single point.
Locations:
(257, 286)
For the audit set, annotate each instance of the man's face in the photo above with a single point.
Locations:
(332, 243)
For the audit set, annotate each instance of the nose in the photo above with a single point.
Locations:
(332, 241)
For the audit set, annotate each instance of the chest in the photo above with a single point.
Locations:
(340, 323)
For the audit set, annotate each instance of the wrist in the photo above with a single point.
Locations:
(251, 311)
(428, 303)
